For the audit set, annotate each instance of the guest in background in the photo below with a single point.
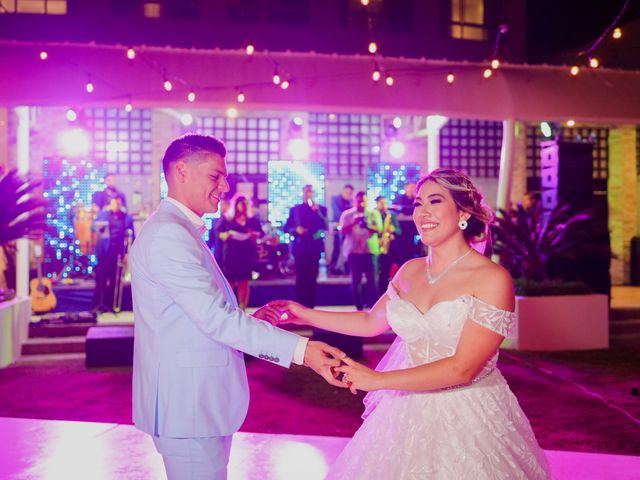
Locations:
(339, 203)
(217, 226)
(239, 234)
(307, 224)
(361, 228)
(388, 244)
(406, 242)
(100, 200)
(114, 229)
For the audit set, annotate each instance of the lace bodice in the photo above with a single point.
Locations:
(434, 335)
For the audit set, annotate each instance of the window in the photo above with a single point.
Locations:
(345, 143)
(121, 140)
(41, 7)
(472, 146)
(468, 20)
(251, 142)
(184, 9)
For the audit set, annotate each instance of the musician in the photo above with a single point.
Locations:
(339, 203)
(111, 226)
(100, 200)
(388, 244)
(307, 223)
(407, 248)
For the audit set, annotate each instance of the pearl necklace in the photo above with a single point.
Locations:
(433, 279)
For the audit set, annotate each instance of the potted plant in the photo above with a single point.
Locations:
(21, 215)
(553, 313)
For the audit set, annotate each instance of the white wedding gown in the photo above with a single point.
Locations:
(472, 432)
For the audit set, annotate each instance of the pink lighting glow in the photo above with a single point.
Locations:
(298, 148)
(73, 142)
(397, 149)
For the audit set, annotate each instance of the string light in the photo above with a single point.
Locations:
(250, 49)
(487, 73)
(191, 97)
(571, 123)
(389, 80)
(72, 116)
(241, 97)
(451, 78)
(373, 47)
(232, 112)
(168, 86)
(89, 86)
(575, 70)
(129, 106)
(131, 53)
(617, 33)
(365, 3)
(375, 76)
(284, 85)
(594, 62)
(44, 55)
(495, 63)
(276, 79)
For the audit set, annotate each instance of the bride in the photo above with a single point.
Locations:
(437, 407)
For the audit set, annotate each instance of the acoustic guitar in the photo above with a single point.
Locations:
(42, 296)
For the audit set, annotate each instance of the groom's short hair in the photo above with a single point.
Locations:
(189, 146)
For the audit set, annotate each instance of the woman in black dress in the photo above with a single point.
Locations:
(239, 234)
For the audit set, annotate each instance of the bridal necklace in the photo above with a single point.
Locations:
(433, 279)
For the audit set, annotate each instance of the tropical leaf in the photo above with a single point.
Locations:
(22, 213)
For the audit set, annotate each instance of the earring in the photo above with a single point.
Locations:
(463, 224)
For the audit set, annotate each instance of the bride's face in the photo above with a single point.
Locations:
(435, 214)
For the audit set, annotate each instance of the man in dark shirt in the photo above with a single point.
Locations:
(339, 203)
(114, 228)
(100, 200)
(307, 223)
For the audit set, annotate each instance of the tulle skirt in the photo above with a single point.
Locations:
(476, 432)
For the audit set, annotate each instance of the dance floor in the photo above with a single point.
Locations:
(54, 450)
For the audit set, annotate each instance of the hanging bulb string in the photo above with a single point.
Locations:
(606, 32)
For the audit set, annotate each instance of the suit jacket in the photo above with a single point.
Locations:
(310, 243)
(189, 377)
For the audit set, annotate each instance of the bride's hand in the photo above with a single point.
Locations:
(359, 377)
(289, 312)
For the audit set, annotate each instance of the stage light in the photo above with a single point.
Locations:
(373, 47)
(451, 78)
(43, 55)
(617, 33)
(487, 73)
(168, 86)
(72, 116)
(575, 70)
(298, 148)
(250, 49)
(131, 53)
(241, 97)
(397, 149)
(232, 112)
(495, 63)
(89, 87)
(571, 123)
(375, 76)
(389, 80)
(191, 96)
(594, 62)
(397, 122)
(546, 129)
(284, 85)
(73, 142)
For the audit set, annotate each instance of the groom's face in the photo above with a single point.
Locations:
(206, 183)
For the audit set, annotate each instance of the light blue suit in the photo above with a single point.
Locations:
(189, 377)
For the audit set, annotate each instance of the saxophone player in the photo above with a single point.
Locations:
(388, 247)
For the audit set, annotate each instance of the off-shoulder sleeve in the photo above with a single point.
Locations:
(392, 291)
(491, 317)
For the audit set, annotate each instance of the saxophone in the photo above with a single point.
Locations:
(387, 235)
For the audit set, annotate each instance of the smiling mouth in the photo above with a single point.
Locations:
(428, 226)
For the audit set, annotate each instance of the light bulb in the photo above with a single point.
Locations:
(276, 79)
(128, 107)
(373, 47)
(617, 33)
(131, 54)
(191, 96)
(376, 75)
(571, 123)
(241, 97)
(495, 63)
(284, 85)
(594, 62)
(43, 55)
(89, 87)
(451, 78)
(250, 49)
(389, 80)
(575, 70)
(168, 86)
(487, 73)
(72, 116)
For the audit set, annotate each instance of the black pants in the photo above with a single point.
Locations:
(363, 263)
(106, 271)
(306, 279)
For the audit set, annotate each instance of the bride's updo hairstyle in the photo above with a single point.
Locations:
(467, 198)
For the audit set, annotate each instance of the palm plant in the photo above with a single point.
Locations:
(21, 215)
(526, 240)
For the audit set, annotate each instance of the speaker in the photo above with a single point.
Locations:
(566, 170)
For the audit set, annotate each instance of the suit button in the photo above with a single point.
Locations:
(277, 359)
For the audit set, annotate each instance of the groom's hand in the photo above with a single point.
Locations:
(323, 359)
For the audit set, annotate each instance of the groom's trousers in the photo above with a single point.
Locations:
(194, 458)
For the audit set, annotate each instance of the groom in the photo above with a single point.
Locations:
(190, 390)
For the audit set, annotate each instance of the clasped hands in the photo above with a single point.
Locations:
(329, 362)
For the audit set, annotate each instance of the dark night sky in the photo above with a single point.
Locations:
(555, 26)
